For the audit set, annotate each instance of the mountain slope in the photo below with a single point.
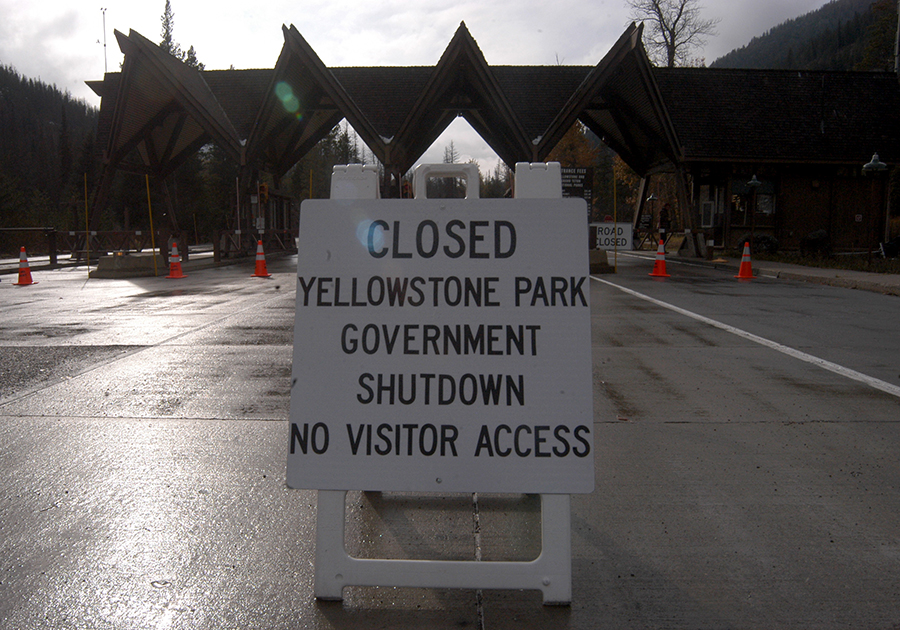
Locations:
(842, 35)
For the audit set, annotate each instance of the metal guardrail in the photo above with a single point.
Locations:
(49, 232)
(233, 243)
(80, 245)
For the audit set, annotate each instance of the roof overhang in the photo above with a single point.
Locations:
(163, 110)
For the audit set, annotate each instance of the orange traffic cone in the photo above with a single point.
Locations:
(175, 263)
(261, 262)
(746, 270)
(659, 268)
(24, 270)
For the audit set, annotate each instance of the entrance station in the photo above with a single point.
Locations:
(443, 345)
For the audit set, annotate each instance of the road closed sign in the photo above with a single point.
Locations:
(442, 345)
(613, 236)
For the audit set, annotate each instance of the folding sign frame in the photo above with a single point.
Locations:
(551, 571)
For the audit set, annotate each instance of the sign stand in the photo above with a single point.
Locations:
(551, 571)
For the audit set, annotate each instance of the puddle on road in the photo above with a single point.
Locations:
(26, 367)
(230, 291)
(168, 293)
(273, 372)
(279, 335)
(47, 332)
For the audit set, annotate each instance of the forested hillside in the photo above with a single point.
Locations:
(842, 35)
(48, 157)
(46, 147)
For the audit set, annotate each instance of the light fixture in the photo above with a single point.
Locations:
(753, 183)
(652, 197)
(874, 165)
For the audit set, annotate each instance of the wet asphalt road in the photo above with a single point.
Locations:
(143, 440)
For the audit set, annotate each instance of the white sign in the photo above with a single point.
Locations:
(442, 345)
(612, 236)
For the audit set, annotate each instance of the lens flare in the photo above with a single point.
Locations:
(362, 234)
(285, 93)
(283, 90)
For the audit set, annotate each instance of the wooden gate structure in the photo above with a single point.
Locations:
(714, 130)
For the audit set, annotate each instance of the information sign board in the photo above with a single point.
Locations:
(578, 181)
(645, 222)
(442, 345)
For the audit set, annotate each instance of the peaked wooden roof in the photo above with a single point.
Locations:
(269, 119)
(158, 110)
(164, 109)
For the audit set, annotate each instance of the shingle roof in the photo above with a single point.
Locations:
(651, 116)
(520, 111)
(385, 94)
(538, 93)
(240, 93)
(782, 115)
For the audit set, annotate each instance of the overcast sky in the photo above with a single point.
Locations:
(61, 42)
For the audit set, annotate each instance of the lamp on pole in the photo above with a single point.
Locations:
(105, 68)
(754, 185)
(876, 166)
(651, 199)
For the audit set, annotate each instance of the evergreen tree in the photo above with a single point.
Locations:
(315, 168)
(169, 44)
(497, 183)
(575, 149)
(841, 35)
(41, 129)
(880, 38)
(168, 28)
(219, 176)
(447, 187)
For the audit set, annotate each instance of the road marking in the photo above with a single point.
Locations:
(797, 354)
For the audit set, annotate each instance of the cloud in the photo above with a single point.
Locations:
(56, 41)
(41, 47)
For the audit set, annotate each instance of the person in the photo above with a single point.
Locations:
(664, 221)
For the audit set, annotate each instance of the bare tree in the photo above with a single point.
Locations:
(673, 28)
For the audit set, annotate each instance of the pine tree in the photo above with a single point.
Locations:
(878, 51)
(168, 27)
(41, 129)
(496, 184)
(169, 44)
(447, 187)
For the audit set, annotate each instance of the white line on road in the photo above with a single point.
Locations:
(822, 363)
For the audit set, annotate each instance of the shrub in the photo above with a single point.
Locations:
(760, 243)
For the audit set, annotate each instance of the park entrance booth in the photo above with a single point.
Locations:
(158, 112)
(737, 152)
(443, 346)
